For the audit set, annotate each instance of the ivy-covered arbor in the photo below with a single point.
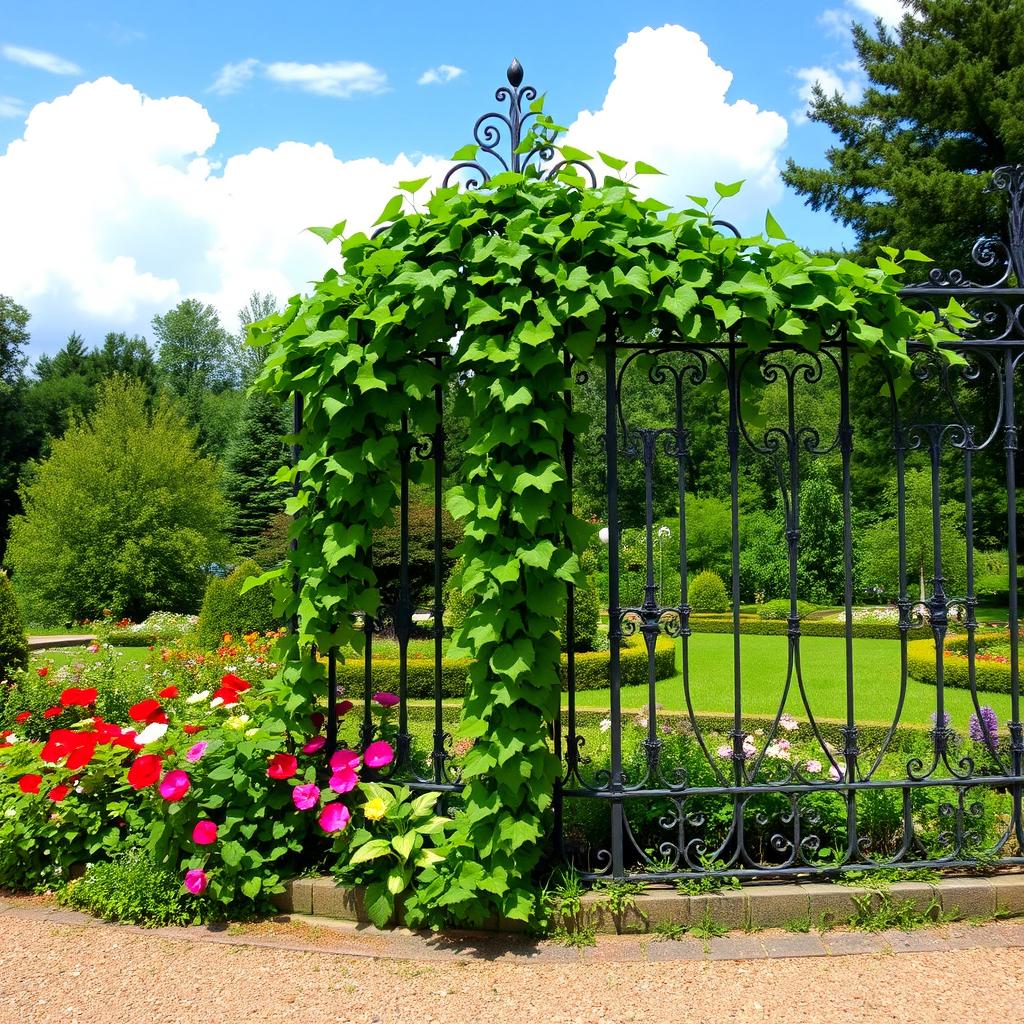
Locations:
(553, 267)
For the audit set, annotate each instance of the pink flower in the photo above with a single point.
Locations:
(175, 785)
(378, 754)
(344, 759)
(344, 780)
(305, 796)
(196, 751)
(205, 833)
(725, 750)
(315, 744)
(789, 723)
(835, 774)
(813, 766)
(195, 881)
(93, 648)
(344, 707)
(385, 700)
(334, 817)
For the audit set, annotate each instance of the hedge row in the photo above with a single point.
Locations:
(993, 676)
(808, 627)
(591, 671)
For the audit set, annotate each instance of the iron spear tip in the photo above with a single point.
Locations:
(515, 73)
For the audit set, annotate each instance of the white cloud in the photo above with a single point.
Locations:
(112, 211)
(233, 77)
(10, 106)
(39, 59)
(847, 80)
(668, 105)
(890, 11)
(439, 75)
(341, 78)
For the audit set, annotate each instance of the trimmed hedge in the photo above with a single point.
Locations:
(227, 610)
(993, 676)
(808, 627)
(591, 671)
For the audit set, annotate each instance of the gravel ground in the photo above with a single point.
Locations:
(54, 973)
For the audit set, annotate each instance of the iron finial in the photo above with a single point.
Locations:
(515, 73)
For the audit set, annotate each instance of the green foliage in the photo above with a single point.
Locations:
(913, 157)
(131, 890)
(386, 854)
(779, 608)
(528, 274)
(989, 675)
(586, 608)
(15, 437)
(251, 461)
(194, 352)
(456, 603)
(808, 627)
(820, 553)
(226, 609)
(124, 515)
(707, 593)
(764, 559)
(13, 643)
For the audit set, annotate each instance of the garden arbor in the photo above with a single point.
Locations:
(526, 273)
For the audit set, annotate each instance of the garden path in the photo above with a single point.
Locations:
(57, 966)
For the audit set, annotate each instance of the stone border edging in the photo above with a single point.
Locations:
(761, 906)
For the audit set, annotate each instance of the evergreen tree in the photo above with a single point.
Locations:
(15, 438)
(942, 110)
(125, 514)
(252, 458)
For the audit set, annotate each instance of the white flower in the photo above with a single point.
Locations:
(777, 751)
(725, 750)
(10, 812)
(813, 766)
(197, 698)
(236, 722)
(606, 724)
(789, 723)
(835, 774)
(216, 702)
(153, 732)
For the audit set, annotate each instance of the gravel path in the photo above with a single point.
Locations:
(56, 973)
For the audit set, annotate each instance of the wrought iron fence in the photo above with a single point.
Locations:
(705, 792)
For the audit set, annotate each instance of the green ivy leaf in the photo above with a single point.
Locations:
(728, 191)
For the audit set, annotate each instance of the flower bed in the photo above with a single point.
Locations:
(991, 661)
(157, 628)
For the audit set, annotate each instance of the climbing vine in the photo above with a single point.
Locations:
(507, 286)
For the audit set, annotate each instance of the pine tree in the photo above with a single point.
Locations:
(943, 109)
(252, 458)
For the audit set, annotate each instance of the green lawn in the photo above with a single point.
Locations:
(763, 663)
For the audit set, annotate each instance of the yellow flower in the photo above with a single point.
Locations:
(374, 809)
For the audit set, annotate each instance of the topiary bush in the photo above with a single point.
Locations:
(13, 643)
(227, 610)
(707, 593)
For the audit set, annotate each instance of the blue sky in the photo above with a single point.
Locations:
(119, 200)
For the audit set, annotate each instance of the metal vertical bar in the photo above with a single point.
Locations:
(1010, 444)
(937, 601)
(403, 609)
(332, 702)
(614, 623)
(734, 497)
(366, 728)
(296, 454)
(438, 754)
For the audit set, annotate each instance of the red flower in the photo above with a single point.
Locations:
(140, 712)
(344, 707)
(84, 752)
(233, 682)
(227, 696)
(52, 712)
(58, 793)
(317, 718)
(60, 744)
(169, 691)
(145, 771)
(73, 697)
(23, 717)
(282, 766)
(191, 730)
(43, 672)
(205, 833)
(30, 783)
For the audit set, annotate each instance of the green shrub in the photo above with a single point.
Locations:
(779, 609)
(587, 607)
(131, 889)
(707, 593)
(227, 610)
(13, 644)
(456, 604)
(592, 670)
(755, 626)
(993, 676)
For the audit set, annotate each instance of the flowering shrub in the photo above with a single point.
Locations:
(156, 628)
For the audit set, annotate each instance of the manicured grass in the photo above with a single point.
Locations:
(763, 662)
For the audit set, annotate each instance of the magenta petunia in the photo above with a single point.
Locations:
(385, 699)
(344, 759)
(344, 780)
(378, 754)
(305, 796)
(195, 881)
(334, 817)
(315, 744)
(175, 785)
(196, 751)
(205, 833)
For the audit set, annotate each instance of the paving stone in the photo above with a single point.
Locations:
(297, 897)
(844, 943)
(772, 906)
(663, 950)
(923, 940)
(737, 947)
(785, 945)
(971, 897)
(1009, 892)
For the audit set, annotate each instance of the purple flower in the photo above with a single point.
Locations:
(946, 718)
(987, 724)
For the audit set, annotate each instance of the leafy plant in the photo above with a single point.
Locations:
(13, 643)
(229, 608)
(707, 593)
